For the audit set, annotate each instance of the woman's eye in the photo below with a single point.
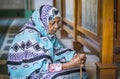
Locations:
(59, 23)
(52, 23)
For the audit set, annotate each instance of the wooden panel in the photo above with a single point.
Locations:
(106, 71)
(93, 47)
(99, 18)
(75, 20)
(116, 54)
(118, 24)
(107, 32)
(105, 68)
(117, 58)
(63, 33)
(68, 30)
(79, 12)
(88, 33)
(68, 22)
(57, 4)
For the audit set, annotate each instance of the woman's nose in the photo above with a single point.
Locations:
(56, 25)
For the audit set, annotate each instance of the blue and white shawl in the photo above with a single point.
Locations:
(33, 49)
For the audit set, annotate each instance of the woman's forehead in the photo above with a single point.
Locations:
(57, 18)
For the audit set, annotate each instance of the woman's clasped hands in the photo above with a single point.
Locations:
(78, 60)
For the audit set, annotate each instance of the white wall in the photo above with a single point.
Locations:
(37, 3)
(12, 4)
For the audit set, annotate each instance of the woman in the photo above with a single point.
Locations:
(36, 53)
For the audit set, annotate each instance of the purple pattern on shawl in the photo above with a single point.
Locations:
(30, 23)
(44, 14)
(22, 55)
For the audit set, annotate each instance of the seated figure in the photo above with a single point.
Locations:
(37, 53)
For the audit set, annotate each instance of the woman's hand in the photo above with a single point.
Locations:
(76, 61)
(82, 59)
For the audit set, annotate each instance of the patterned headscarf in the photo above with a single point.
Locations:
(41, 17)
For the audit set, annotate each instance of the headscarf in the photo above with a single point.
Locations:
(41, 17)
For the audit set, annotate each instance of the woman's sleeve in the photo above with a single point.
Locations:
(55, 67)
(64, 55)
(61, 53)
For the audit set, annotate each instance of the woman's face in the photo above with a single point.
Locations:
(53, 25)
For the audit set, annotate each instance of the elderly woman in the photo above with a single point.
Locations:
(36, 53)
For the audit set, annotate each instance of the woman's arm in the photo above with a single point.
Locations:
(76, 61)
